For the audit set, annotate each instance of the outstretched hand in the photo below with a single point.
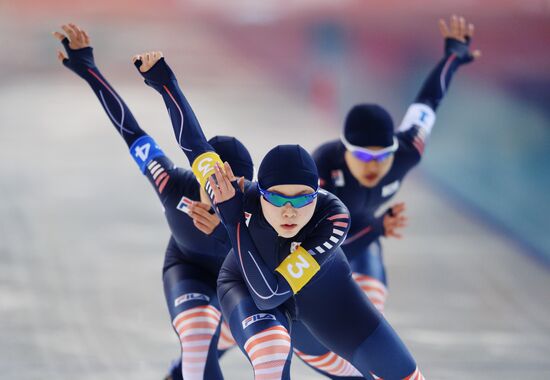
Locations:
(145, 61)
(154, 69)
(395, 219)
(76, 38)
(458, 35)
(223, 185)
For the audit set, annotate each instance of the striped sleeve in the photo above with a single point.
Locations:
(187, 129)
(159, 171)
(328, 235)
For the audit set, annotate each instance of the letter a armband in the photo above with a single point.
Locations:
(203, 166)
(298, 268)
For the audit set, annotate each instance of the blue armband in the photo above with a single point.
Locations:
(143, 150)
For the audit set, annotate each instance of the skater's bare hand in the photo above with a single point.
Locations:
(202, 218)
(224, 190)
(458, 29)
(147, 60)
(77, 37)
(395, 219)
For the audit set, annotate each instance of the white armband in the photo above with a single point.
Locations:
(418, 114)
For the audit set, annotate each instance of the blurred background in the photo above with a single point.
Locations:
(82, 235)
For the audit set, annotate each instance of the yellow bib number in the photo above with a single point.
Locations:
(203, 166)
(298, 268)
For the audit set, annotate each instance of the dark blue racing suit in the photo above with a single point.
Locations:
(193, 259)
(268, 283)
(362, 246)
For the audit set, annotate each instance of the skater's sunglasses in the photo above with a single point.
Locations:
(367, 155)
(279, 200)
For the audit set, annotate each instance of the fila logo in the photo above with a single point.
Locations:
(184, 204)
(390, 189)
(191, 297)
(255, 318)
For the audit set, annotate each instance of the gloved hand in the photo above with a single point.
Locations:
(458, 38)
(77, 46)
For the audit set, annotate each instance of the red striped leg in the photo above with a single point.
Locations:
(196, 327)
(374, 289)
(416, 375)
(268, 352)
(329, 363)
(226, 338)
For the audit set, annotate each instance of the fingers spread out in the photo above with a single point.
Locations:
(454, 25)
(444, 28)
(61, 56)
(224, 182)
(470, 31)
(59, 36)
(148, 59)
(458, 28)
(217, 193)
(395, 222)
(86, 37)
(77, 37)
(461, 27)
(394, 234)
(229, 171)
(398, 208)
(77, 32)
(222, 187)
(399, 221)
(69, 31)
(240, 181)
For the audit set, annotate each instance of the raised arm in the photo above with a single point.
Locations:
(188, 132)
(457, 53)
(151, 160)
(268, 289)
(80, 60)
(421, 113)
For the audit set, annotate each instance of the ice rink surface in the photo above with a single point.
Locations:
(82, 239)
